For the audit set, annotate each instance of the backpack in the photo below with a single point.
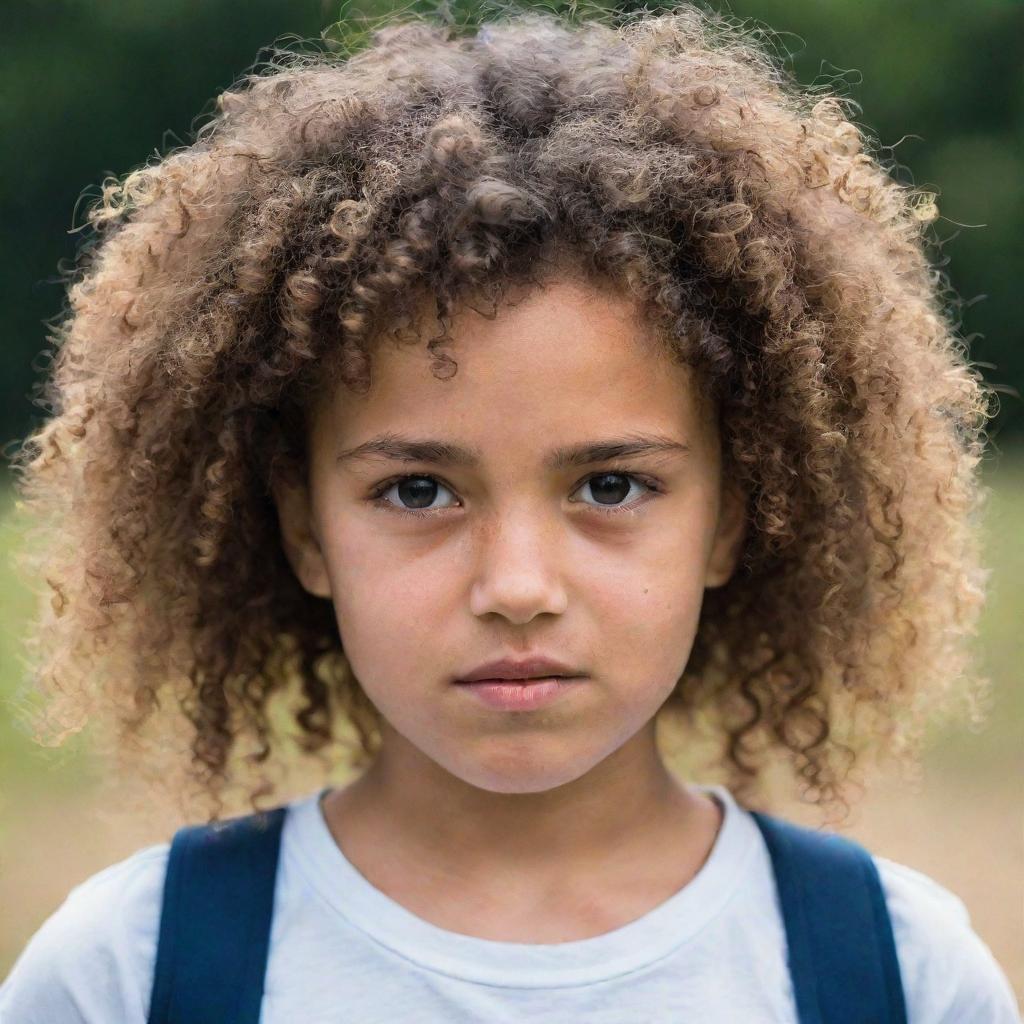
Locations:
(219, 892)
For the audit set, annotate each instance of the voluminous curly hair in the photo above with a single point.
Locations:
(668, 155)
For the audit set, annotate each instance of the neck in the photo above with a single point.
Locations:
(619, 814)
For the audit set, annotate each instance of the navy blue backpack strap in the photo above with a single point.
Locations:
(218, 901)
(841, 949)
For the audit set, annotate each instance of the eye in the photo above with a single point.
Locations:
(420, 490)
(610, 484)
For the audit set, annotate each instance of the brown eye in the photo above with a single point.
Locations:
(612, 488)
(414, 493)
(609, 488)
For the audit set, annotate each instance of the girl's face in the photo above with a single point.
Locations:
(506, 550)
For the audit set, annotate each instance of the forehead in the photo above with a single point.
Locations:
(563, 358)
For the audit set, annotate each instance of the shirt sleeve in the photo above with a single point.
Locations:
(949, 974)
(91, 961)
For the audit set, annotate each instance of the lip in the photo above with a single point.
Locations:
(537, 666)
(513, 695)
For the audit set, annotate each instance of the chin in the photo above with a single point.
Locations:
(527, 772)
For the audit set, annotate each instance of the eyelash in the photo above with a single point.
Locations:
(376, 496)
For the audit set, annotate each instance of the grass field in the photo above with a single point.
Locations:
(961, 825)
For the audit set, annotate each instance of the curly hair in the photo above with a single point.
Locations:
(669, 155)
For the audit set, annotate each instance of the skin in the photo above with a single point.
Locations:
(563, 822)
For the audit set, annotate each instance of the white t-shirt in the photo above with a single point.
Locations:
(342, 951)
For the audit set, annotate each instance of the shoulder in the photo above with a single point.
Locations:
(92, 959)
(949, 974)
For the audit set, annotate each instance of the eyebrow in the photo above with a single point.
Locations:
(407, 449)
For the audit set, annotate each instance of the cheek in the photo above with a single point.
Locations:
(389, 608)
(647, 630)
(645, 612)
(656, 585)
(385, 592)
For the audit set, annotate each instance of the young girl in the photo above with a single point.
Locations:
(489, 397)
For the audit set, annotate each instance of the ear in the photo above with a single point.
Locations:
(729, 536)
(298, 535)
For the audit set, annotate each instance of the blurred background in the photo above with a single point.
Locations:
(97, 87)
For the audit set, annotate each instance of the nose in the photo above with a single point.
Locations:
(518, 573)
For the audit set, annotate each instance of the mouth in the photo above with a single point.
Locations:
(512, 681)
(520, 694)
